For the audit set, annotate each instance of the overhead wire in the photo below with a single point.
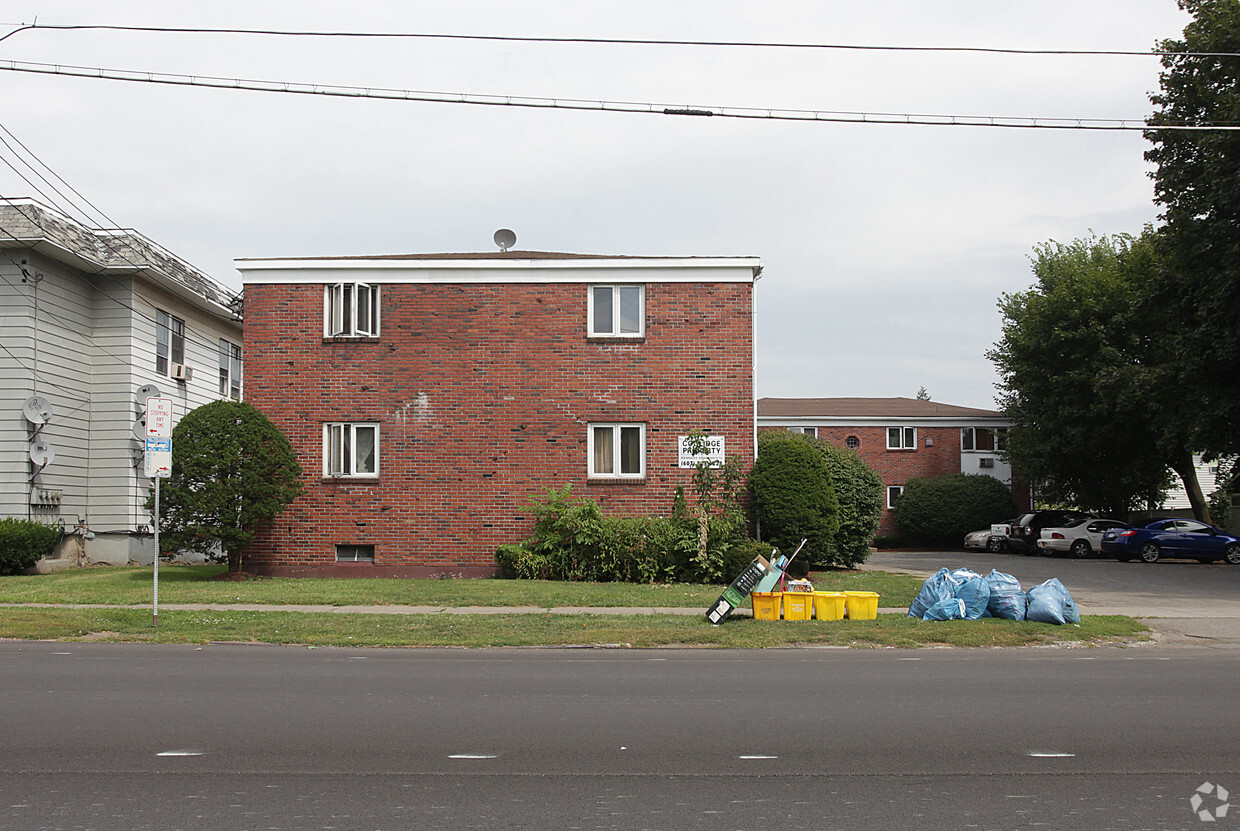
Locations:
(766, 114)
(609, 41)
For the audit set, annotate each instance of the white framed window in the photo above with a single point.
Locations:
(852, 443)
(617, 450)
(169, 342)
(351, 310)
(617, 311)
(988, 439)
(230, 370)
(901, 438)
(893, 494)
(350, 449)
(807, 431)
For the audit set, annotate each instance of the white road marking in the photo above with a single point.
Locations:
(1052, 755)
(757, 757)
(179, 753)
(471, 756)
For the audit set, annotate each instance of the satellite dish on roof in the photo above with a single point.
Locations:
(41, 453)
(37, 410)
(146, 391)
(505, 239)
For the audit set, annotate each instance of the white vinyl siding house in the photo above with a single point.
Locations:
(79, 330)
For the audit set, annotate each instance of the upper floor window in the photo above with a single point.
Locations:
(351, 310)
(852, 443)
(990, 439)
(350, 449)
(230, 370)
(617, 311)
(617, 450)
(901, 438)
(808, 431)
(169, 342)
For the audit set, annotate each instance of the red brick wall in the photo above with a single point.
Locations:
(483, 394)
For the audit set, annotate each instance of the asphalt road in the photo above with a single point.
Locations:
(104, 736)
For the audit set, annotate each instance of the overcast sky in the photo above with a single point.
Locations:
(886, 247)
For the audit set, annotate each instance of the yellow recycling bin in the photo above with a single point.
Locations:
(798, 605)
(765, 605)
(861, 605)
(829, 605)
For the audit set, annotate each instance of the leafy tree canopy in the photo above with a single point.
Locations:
(232, 471)
(1074, 366)
(942, 509)
(792, 496)
(1197, 183)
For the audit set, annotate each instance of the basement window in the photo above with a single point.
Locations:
(355, 553)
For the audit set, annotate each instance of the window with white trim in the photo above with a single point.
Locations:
(169, 342)
(351, 310)
(350, 449)
(617, 311)
(988, 439)
(617, 450)
(901, 438)
(893, 494)
(230, 370)
(807, 431)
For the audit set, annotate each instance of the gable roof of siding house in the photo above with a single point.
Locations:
(26, 223)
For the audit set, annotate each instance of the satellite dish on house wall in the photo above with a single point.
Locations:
(42, 453)
(139, 428)
(505, 239)
(37, 410)
(146, 391)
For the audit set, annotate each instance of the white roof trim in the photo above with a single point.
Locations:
(591, 270)
(885, 421)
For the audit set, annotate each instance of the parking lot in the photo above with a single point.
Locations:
(1184, 600)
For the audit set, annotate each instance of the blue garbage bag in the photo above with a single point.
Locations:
(940, 586)
(1050, 602)
(962, 574)
(1007, 600)
(975, 594)
(950, 608)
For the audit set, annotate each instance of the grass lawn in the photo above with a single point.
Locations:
(131, 587)
(526, 630)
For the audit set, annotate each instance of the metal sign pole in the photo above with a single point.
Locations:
(155, 602)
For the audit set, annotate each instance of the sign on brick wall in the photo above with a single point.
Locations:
(713, 454)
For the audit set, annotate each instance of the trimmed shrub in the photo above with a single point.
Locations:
(23, 542)
(859, 490)
(573, 540)
(793, 498)
(739, 555)
(940, 510)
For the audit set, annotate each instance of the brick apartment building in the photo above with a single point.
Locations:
(429, 398)
(901, 438)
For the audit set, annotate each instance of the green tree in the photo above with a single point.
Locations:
(792, 495)
(232, 471)
(942, 509)
(1089, 426)
(1197, 184)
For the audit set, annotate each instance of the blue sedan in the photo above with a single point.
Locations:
(1175, 538)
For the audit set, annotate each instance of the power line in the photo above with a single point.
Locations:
(767, 114)
(613, 41)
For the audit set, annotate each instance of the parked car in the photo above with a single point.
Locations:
(1028, 527)
(1080, 539)
(992, 539)
(1172, 538)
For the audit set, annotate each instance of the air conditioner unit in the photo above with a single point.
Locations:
(985, 462)
(180, 372)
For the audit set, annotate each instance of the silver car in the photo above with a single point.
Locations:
(1080, 539)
